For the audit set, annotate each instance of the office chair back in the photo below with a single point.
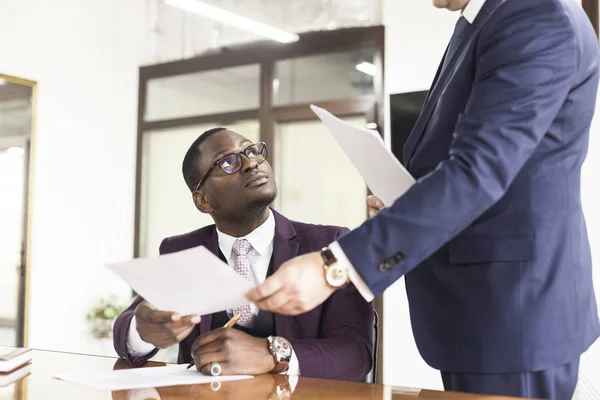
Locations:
(372, 376)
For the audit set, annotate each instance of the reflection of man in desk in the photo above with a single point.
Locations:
(231, 180)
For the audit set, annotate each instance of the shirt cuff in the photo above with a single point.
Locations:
(354, 276)
(135, 344)
(293, 381)
(293, 366)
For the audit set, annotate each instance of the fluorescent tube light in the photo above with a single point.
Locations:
(366, 68)
(235, 20)
(18, 151)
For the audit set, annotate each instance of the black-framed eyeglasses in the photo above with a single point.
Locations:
(232, 163)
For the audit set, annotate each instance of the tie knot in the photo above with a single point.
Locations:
(241, 247)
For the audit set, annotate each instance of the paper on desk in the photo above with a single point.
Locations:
(380, 169)
(192, 281)
(139, 378)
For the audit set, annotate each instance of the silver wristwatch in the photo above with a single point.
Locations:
(281, 350)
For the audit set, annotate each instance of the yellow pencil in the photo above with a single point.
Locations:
(233, 320)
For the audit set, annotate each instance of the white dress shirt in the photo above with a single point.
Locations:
(470, 13)
(472, 9)
(259, 257)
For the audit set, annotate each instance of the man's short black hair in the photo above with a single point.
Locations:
(192, 158)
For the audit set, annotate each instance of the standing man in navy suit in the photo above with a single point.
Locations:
(491, 238)
(231, 180)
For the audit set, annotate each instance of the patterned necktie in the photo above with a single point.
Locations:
(241, 248)
(459, 32)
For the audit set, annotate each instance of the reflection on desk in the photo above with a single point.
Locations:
(41, 385)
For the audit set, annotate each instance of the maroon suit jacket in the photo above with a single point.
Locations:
(333, 341)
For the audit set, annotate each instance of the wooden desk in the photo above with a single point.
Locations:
(40, 385)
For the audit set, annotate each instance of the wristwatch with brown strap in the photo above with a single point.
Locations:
(336, 275)
(281, 350)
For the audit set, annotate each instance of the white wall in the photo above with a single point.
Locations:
(589, 378)
(85, 56)
(416, 38)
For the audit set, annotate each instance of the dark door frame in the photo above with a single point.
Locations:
(592, 10)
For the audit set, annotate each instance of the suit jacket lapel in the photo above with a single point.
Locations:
(437, 76)
(285, 247)
(441, 81)
(412, 138)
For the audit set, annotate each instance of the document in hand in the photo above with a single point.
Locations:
(380, 169)
(192, 281)
(148, 377)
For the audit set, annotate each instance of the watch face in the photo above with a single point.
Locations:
(337, 276)
(282, 347)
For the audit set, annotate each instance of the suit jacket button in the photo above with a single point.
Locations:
(400, 256)
(384, 266)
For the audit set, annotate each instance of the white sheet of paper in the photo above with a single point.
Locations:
(149, 377)
(192, 281)
(380, 169)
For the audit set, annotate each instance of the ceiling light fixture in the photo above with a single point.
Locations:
(17, 151)
(367, 68)
(235, 20)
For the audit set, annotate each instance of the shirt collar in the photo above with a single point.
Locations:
(472, 9)
(260, 238)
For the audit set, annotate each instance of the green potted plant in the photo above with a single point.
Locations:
(102, 315)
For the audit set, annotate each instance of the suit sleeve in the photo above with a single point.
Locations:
(121, 329)
(120, 333)
(344, 348)
(526, 65)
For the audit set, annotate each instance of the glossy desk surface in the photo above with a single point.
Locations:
(40, 384)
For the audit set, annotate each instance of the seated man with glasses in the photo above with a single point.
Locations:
(231, 180)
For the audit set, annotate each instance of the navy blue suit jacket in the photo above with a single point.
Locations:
(332, 341)
(492, 237)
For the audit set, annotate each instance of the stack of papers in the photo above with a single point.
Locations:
(149, 377)
(14, 364)
(14, 376)
(12, 358)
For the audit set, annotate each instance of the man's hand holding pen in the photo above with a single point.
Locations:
(236, 352)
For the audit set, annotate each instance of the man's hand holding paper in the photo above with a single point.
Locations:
(375, 205)
(162, 329)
